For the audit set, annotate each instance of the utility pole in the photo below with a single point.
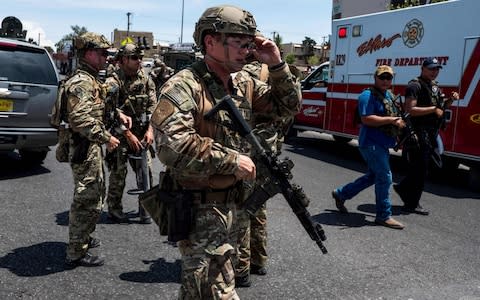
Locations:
(274, 34)
(324, 47)
(181, 31)
(128, 23)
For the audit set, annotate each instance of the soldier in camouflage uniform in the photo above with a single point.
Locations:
(133, 92)
(86, 111)
(160, 73)
(207, 158)
(252, 230)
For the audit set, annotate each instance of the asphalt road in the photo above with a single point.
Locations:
(434, 257)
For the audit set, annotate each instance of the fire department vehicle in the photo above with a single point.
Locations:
(402, 38)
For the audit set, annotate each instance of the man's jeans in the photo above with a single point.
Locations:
(379, 173)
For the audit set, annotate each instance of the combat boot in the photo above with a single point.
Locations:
(258, 270)
(88, 260)
(118, 217)
(93, 243)
(144, 216)
(243, 281)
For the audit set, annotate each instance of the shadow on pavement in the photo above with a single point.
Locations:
(36, 260)
(62, 218)
(160, 271)
(334, 218)
(370, 208)
(13, 167)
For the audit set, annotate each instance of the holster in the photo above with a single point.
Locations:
(63, 148)
(170, 210)
(152, 202)
(81, 145)
(179, 215)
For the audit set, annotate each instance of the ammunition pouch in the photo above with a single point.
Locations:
(170, 210)
(63, 147)
(81, 145)
(152, 202)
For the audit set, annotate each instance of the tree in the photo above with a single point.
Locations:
(49, 49)
(290, 58)
(278, 41)
(308, 45)
(77, 30)
(313, 60)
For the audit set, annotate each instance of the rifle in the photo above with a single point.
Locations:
(280, 175)
(142, 175)
(408, 131)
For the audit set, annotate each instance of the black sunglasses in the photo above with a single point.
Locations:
(135, 57)
(385, 77)
(102, 52)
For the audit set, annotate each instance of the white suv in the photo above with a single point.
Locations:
(28, 89)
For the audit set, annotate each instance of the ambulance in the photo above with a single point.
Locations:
(402, 39)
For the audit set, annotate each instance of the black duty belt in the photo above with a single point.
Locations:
(211, 196)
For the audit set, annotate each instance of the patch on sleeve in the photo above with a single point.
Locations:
(163, 110)
(180, 97)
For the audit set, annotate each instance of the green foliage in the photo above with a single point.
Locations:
(290, 58)
(313, 60)
(77, 30)
(309, 43)
(278, 41)
(49, 49)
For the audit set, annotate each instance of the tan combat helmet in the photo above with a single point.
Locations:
(90, 40)
(158, 63)
(224, 19)
(130, 49)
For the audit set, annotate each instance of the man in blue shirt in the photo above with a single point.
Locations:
(380, 126)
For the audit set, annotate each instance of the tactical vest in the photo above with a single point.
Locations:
(222, 130)
(429, 95)
(391, 110)
(133, 99)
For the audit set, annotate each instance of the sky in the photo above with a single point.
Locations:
(48, 21)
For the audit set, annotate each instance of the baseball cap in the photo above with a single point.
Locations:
(383, 69)
(431, 63)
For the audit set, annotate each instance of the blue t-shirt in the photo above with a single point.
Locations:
(368, 104)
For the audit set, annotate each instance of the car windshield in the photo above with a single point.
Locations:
(26, 65)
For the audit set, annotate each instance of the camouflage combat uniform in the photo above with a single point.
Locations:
(86, 111)
(252, 230)
(160, 74)
(203, 156)
(136, 97)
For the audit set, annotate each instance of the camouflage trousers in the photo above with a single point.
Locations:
(251, 240)
(207, 268)
(118, 169)
(88, 197)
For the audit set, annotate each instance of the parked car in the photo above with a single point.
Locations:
(147, 62)
(28, 89)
